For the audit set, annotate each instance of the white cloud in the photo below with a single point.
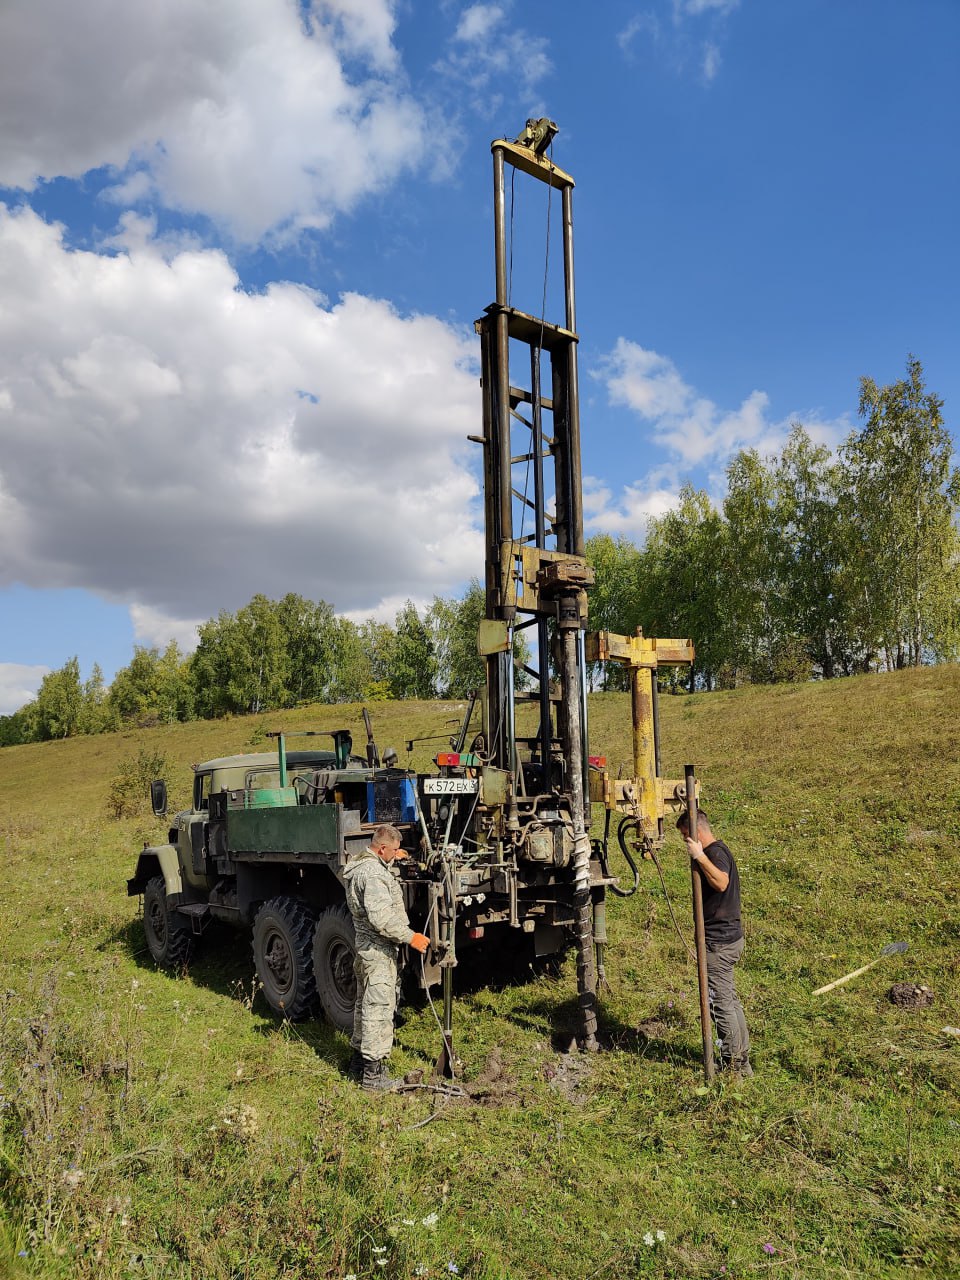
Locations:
(478, 21)
(251, 112)
(711, 61)
(694, 8)
(177, 444)
(18, 685)
(641, 23)
(154, 628)
(679, 41)
(487, 45)
(693, 430)
(630, 512)
(692, 427)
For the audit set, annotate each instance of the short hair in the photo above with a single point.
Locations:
(386, 834)
(684, 820)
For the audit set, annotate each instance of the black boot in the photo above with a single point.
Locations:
(375, 1078)
(355, 1066)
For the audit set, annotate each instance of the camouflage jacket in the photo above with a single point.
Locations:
(375, 901)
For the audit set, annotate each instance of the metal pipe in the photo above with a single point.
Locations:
(644, 767)
(575, 495)
(655, 693)
(584, 725)
(500, 225)
(546, 711)
(536, 447)
(583, 906)
(698, 929)
(571, 305)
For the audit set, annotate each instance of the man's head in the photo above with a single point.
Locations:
(386, 843)
(703, 824)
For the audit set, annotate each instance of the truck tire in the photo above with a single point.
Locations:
(334, 950)
(282, 946)
(169, 936)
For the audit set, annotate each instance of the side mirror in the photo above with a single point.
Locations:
(158, 797)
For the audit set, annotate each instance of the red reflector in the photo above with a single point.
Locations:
(475, 932)
(597, 762)
(448, 757)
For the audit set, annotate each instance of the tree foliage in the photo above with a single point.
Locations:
(813, 564)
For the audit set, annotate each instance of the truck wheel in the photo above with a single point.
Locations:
(169, 936)
(334, 949)
(282, 941)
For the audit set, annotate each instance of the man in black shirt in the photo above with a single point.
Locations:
(724, 936)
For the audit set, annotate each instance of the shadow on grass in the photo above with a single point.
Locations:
(647, 1040)
(223, 964)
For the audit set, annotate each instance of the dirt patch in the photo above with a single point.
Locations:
(908, 995)
(567, 1074)
(492, 1087)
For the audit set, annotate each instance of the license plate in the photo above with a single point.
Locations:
(450, 786)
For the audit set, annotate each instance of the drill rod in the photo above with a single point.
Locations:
(698, 929)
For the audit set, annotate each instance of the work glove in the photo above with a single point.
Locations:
(420, 942)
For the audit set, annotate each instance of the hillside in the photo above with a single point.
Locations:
(165, 1127)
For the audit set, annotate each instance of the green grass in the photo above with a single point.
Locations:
(164, 1127)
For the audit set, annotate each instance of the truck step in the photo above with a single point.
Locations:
(198, 913)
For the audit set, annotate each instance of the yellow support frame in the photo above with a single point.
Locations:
(646, 796)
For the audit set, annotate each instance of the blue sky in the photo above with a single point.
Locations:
(242, 245)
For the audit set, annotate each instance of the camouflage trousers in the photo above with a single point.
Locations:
(375, 969)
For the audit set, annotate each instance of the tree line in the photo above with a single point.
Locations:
(813, 565)
(268, 655)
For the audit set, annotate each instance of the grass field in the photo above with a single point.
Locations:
(168, 1127)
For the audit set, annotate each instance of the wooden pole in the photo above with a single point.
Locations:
(698, 929)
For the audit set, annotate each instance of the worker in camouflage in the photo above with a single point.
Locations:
(381, 926)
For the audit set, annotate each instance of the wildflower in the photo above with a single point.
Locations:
(409, 1222)
(135, 985)
(379, 1248)
(453, 1268)
(351, 1276)
(648, 1240)
(661, 1236)
(768, 1248)
(430, 1220)
(420, 1269)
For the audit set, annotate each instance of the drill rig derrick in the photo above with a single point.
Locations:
(536, 580)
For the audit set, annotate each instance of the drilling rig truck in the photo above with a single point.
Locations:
(499, 835)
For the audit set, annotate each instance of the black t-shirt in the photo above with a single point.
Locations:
(721, 911)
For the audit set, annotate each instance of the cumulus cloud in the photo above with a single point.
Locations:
(487, 44)
(694, 430)
(260, 114)
(18, 685)
(629, 512)
(175, 443)
(690, 426)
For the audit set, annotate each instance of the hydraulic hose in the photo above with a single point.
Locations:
(625, 824)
